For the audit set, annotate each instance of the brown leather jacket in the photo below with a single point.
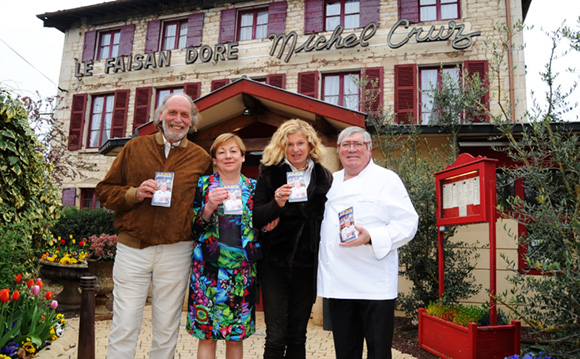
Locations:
(140, 224)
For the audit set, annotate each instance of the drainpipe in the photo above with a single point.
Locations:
(508, 15)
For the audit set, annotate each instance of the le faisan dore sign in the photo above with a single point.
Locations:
(288, 44)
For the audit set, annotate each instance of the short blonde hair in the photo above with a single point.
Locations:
(159, 112)
(275, 152)
(227, 137)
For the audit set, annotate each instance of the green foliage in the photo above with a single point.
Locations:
(461, 314)
(16, 253)
(83, 223)
(419, 258)
(27, 193)
(549, 158)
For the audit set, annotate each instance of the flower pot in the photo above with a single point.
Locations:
(449, 340)
(103, 270)
(69, 275)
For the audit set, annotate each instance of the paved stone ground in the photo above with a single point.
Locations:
(318, 346)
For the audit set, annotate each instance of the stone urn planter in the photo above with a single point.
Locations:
(103, 270)
(69, 275)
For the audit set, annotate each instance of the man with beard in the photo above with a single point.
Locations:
(154, 243)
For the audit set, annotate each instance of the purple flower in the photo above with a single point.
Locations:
(54, 304)
(35, 289)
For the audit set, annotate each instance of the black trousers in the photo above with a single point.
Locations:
(354, 321)
(288, 296)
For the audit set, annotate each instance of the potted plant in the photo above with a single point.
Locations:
(460, 332)
(64, 262)
(101, 258)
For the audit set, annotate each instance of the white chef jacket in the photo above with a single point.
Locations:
(382, 206)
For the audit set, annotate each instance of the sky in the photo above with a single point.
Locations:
(33, 70)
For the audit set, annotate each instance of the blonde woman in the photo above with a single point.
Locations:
(287, 273)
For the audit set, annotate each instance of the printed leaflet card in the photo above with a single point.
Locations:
(298, 182)
(233, 204)
(347, 230)
(162, 196)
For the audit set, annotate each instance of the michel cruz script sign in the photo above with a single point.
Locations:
(287, 43)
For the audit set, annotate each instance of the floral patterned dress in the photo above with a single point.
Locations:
(221, 303)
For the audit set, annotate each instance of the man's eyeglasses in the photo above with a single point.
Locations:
(356, 144)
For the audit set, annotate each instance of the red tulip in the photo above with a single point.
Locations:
(48, 295)
(39, 282)
(62, 242)
(30, 282)
(18, 278)
(16, 295)
(4, 295)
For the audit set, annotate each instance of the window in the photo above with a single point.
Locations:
(343, 12)
(89, 199)
(162, 93)
(414, 87)
(342, 89)
(101, 120)
(109, 44)
(431, 10)
(105, 44)
(256, 23)
(253, 24)
(430, 81)
(174, 35)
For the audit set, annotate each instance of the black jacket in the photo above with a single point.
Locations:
(296, 238)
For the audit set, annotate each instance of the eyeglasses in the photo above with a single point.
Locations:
(356, 144)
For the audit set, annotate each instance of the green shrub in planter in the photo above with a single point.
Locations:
(83, 223)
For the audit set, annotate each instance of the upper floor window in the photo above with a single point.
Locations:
(342, 12)
(342, 89)
(253, 24)
(162, 93)
(101, 120)
(174, 34)
(109, 44)
(431, 10)
(89, 199)
(431, 79)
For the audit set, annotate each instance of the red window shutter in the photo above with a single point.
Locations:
(277, 17)
(278, 80)
(77, 121)
(120, 113)
(227, 26)
(216, 84)
(142, 106)
(409, 10)
(193, 90)
(194, 30)
(480, 68)
(126, 41)
(153, 35)
(373, 92)
(405, 94)
(89, 46)
(308, 83)
(369, 12)
(313, 16)
(69, 196)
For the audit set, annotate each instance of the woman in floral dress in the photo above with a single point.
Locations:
(221, 304)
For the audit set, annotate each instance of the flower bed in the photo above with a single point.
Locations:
(28, 321)
(66, 251)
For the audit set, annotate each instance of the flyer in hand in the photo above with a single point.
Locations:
(162, 196)
(233, 204)
(347, 230)
(298, 182)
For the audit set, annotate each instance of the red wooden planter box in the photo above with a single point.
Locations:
(449, 340)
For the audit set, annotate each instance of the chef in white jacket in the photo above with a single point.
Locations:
(359, 277)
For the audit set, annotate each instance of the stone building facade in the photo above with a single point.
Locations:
(252, 64)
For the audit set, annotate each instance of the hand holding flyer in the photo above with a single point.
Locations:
(347, 230)
(162, 196)
(298, 183)
(233, 204)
